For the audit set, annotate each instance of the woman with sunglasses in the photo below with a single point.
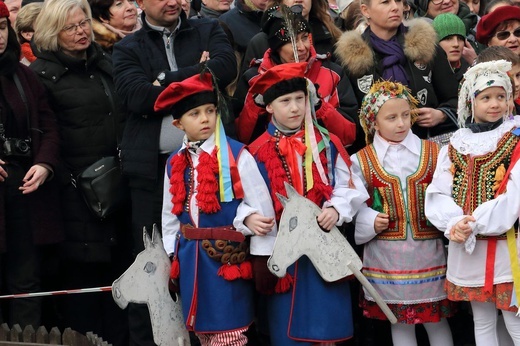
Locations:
(501, 28)
(77, 74)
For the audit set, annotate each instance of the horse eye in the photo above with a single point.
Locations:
(293, 223)
(150, 267)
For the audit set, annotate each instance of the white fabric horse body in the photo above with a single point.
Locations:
(146, 282)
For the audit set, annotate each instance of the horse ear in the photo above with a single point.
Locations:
(146, 239)
(284, 200)
(156, 236)
(290, 190)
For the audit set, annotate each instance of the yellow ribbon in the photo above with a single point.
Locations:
(513, 256)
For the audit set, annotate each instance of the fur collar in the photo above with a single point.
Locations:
(103, 35)
(357, 56)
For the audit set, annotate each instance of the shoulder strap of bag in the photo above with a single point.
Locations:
(113, 106)
(24, 99)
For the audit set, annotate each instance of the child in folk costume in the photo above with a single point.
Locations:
(302, 308)
(403, 254)
(474, 199)
(214, 197)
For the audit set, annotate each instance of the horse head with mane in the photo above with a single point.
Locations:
(146, 282)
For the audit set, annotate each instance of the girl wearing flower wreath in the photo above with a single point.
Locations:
(474, 199)
(403, 253)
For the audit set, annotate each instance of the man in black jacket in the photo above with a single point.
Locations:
(168, 48)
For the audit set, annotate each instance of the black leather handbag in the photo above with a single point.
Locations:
(103, 186)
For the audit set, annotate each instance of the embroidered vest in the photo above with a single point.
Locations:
(386, 188)
(476, 178)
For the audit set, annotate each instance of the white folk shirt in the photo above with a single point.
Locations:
(256, 200)
(408, 255)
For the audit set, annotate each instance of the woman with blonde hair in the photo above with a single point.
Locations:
(77, 74)
(407, 54)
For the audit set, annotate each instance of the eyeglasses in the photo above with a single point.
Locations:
(436, 2)
(73, 28)
(504, 35)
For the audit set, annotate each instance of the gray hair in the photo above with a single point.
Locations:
(53, 18)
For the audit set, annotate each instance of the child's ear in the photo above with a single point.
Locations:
(177, 124)
(269, 109)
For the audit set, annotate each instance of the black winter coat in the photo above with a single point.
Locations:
(431, 79)
(45, 215)
(89, 127)
(243, 23)
(138, 59)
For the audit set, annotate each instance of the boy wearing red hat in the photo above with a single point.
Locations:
(214, 197)
(302, 308)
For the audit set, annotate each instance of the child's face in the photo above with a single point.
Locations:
(199, 122)
(453, 45)
(288, 109)
(515, 75)
(490, 105)
(393, 121)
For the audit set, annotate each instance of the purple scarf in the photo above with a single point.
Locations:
(393, 57)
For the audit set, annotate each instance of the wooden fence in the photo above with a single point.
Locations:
(40, 337)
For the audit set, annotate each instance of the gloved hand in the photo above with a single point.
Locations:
(265, 281)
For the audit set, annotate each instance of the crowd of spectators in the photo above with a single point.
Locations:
(79, 80)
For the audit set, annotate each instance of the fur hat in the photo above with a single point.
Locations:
(448, 24)
(192, 92)
(488, 24)
(4, 12)
(278, 21)
(280, 80)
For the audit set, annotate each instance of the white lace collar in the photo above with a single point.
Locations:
(467, 142)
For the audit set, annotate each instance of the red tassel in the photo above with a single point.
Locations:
(246, 269)
(176, 269)
(229, 272)
(284, 284)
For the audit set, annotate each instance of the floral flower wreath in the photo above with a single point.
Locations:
(379, 93)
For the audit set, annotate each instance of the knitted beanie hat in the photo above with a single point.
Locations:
(4, 12)
(448, 24)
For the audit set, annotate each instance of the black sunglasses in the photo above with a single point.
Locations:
(504, 35)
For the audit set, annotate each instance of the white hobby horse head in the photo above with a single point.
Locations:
(146, 282)
(300, 234)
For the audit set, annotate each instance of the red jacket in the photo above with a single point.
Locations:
(338, 99)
